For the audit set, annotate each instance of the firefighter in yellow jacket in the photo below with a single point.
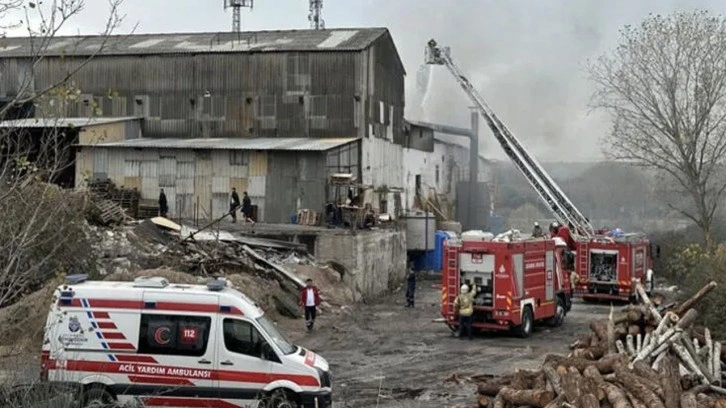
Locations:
(464, 304)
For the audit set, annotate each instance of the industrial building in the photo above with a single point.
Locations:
(198, 90)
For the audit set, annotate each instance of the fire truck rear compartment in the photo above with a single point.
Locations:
(603, 272)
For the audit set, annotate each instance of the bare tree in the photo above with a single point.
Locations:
(41, 226)
(665, 87)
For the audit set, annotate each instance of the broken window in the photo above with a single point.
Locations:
(267, 106)
(238, 158)
(298, 72)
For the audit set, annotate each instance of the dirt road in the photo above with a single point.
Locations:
(385, 355)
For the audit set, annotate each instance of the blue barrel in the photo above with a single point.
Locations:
(293, 219)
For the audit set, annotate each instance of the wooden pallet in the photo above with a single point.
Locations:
(307, 217)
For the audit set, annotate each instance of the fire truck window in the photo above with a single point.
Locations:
(242, 337)
(174, 335)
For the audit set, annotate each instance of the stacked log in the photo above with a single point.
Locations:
(643, 356)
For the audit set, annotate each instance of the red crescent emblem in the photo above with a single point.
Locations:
(161, 335)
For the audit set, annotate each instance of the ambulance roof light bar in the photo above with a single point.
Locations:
(156, 282)
(76, 278)
(216, 284)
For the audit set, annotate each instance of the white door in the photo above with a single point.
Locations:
(178, 337)
(241, 368)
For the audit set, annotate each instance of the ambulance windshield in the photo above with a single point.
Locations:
(276, 336)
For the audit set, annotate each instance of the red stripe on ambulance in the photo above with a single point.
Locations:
(187, 402)
(135, 359)
(141, 379)
(113, 336)
(106, 325)
(183, 372)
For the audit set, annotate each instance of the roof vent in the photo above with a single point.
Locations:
(76, 279)
(150, 282)
(216, 284)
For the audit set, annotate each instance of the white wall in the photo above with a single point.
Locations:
(382, 165)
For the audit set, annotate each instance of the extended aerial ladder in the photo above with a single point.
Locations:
(564, 211)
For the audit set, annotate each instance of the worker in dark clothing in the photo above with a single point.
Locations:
(234, 204)
(246, 206)
(163, 204)
(537, 231)
(410, 285)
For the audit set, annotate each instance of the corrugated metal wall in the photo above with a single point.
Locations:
(279, 183)
(169, 91)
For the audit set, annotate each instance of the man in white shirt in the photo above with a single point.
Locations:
(310, 300)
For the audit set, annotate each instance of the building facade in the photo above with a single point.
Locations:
(317, 84)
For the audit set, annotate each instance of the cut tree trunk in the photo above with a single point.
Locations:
(588, 401)
(533, 398)
(669, 381)
(688, 304)
(572, 385)
(636, 387)
(553, 378)
(605, 365)
(616, 396)
(688, 400)
(600, 328)
(490, 388)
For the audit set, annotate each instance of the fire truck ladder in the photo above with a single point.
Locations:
(452, 276)
(564, 211)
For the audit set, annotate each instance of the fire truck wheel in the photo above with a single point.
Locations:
(559, 317)
(525, 329)
(281, 399)
(97, 396)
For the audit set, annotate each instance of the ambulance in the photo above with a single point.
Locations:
(151, 343)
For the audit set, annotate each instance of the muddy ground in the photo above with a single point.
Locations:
(385, 355)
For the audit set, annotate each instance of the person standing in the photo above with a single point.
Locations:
(246, 206)
(163, 204)
(537, 231)
(410, 285)
(464, 303)
(234, 204)
(310, 300)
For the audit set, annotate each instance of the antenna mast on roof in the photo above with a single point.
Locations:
(236, 6)
(316, 15)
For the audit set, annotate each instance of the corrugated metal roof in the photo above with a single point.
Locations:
(62, 122)
(342, 39)
(261, 143)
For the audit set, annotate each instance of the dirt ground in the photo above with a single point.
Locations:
(385, 355)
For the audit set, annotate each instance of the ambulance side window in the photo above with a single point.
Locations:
(243, 338)
(174, 335)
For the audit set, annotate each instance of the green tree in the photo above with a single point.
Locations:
(665, 88)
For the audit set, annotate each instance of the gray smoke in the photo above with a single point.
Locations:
(525, 57)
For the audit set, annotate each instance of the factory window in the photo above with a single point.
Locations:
(319, 106)
(238, 158)
(267, 106)
(381, 112)
(437, 175)
(298, 72)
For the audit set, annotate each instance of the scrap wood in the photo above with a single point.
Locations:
(660, 366)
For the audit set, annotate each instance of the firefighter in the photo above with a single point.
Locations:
(537, 231)
(554, 229)
(464, 304)
(410, 285)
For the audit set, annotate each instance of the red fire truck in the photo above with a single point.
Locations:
(609, 267)
(518, 283)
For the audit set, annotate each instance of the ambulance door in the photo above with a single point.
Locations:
(242, 370)
(177, 334)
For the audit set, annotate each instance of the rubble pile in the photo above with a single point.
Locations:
(644, 356)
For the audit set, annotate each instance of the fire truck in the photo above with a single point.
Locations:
(518, 283)
(608, 267)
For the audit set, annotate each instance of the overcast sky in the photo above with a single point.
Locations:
(524, 56)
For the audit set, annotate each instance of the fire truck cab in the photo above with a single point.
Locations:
(152, 343)
(518, 283)
(609, 267)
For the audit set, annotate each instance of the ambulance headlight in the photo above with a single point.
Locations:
(325, 378)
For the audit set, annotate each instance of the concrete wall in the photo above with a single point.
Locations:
(375, 261)
(382, 168)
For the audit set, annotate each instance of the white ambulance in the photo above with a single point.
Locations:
(149, 343)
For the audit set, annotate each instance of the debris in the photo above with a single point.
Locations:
(107, 212)
(656, 363)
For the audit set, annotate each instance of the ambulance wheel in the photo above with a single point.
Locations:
(559, 317)
(97, 396)
(525, 329)
(281, 399)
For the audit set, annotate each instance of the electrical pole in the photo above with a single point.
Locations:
(316, 15)
(236, 6)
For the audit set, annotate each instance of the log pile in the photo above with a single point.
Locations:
(642, 357)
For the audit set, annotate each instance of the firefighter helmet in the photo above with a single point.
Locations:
(464, 289)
